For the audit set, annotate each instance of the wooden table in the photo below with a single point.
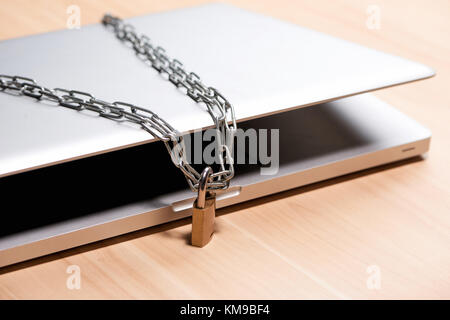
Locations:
(318, 241)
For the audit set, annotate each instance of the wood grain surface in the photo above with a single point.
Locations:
(318, 241)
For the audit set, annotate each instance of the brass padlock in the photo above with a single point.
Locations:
(204, 212)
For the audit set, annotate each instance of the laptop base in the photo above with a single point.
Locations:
(95, 198)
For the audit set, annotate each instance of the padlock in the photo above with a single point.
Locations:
(204, 212)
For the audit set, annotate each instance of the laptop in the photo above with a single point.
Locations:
(81, 178)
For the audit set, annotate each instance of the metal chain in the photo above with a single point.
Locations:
(220, 110)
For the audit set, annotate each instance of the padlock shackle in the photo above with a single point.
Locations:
(204, 177)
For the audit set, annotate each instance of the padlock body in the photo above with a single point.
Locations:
(203, 223)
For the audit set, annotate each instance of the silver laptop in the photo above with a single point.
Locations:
(82, 178)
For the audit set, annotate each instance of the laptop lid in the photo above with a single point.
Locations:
(262, 65)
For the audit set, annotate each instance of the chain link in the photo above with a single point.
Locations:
(220, 110)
